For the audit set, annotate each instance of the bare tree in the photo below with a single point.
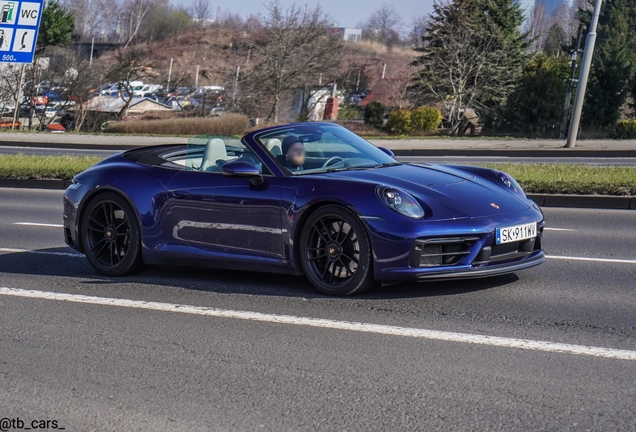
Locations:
(384, 24)
(9, 87)
(201, 11)
(136, 12)
(89, 16)
(537, 25)
(130, 66)
(295, 49)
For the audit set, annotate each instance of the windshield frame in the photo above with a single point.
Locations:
(313, 128)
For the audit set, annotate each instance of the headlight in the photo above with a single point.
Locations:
(74, 185)
(510, 182)
(400, 201)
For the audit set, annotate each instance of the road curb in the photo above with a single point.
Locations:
(585, 201)
(398, 152)
(521, 153)
(69, 146)
(542, 200)
(34, 183)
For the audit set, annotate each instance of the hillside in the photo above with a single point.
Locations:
(219, 51)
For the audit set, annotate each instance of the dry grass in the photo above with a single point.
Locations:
(371, 47)
(229, 124)
(361, 128)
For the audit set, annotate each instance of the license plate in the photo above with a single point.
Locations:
(516, 233)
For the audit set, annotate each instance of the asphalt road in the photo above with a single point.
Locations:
(593, 161)
(125, 366)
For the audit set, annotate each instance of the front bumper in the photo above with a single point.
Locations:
(459, 249)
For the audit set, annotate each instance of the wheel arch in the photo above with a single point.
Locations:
(303, 220)
(90, 196)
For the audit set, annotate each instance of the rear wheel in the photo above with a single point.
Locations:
(110, 235)
(336, 252)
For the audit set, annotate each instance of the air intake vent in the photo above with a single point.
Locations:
(441, 252)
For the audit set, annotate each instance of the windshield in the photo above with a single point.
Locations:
(315, 148)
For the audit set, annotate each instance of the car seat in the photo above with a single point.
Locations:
(214, 151)
(274, 146)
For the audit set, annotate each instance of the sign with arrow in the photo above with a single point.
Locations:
(19, 24)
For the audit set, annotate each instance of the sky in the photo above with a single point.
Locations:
(347, 13)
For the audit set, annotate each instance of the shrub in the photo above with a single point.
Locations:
(626, 129)
(347, 113)
(374, 114)
(229, 124)
(399, 122)
(535, 108)
(426, 118)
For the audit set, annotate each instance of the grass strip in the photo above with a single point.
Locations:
(44, 167)
(535, 178)
(572, 179)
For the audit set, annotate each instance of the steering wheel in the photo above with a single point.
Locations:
(331, 160)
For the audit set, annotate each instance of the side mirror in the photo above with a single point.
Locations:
(387, 151)
(242, 169)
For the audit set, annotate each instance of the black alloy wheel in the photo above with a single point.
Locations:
(336, 252)
(110, 235)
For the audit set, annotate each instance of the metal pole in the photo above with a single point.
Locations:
(169, 75)
(18, 98)
(196, 79)
(238, 70)
(90, 63)
(568, 93)
(586, 64)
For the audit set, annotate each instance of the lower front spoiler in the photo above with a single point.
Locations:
(467, 272)
(492, 270)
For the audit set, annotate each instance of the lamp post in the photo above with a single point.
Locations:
(169, 75)
(586, 64)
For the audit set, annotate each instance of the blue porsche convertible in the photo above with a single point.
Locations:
(306, 198)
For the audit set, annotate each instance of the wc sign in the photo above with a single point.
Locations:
(19, 23)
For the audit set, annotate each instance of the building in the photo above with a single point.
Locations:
(551, 6)
(138, 105)
(347, 34)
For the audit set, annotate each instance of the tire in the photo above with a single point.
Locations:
(335, 252)
(110, 235)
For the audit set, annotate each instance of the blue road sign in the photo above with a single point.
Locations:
(19, 23)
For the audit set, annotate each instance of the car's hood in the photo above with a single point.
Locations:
(459, 190)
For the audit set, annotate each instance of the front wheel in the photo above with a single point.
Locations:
(336, 252)
(110, 235)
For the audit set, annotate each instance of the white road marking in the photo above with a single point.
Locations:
(558, 229)
(606, 260)
(68, 254)
(568, 258)
(497, 341)
(39, 224)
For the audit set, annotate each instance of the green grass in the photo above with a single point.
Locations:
(535, 178)
(572, 179)
(44, 167)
